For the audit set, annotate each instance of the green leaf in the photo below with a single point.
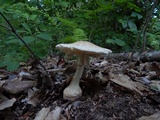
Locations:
(28, 39)
(116, 41)
(13, 41)
(124, 23)
(64, 3)
(12, 65)
(110, 41)
(25, 25)
(135, 14)
(33, 17)
(41, 53)
(120, 42)
(2, 63)
(45, 36)
(9, 62)
(79, 34)
(132, 26)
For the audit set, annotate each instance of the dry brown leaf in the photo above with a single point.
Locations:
(2, 82)
(155, 116)
(33, 96)
(17, 86)
(126, 82)
(7, 103)
(55, 114)
(42, 114)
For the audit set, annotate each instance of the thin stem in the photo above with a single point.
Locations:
(49, 80)
(78, 74)
(6, 27)
(14, 31)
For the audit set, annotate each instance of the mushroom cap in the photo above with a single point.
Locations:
(83, 47)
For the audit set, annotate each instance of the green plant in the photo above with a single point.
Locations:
(42, 24)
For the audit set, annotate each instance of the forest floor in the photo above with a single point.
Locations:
(112, 90)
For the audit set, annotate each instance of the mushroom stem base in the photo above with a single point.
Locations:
(73, 91)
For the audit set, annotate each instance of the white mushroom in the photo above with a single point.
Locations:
(83, 50)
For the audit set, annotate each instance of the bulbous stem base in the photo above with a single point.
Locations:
(73, 91)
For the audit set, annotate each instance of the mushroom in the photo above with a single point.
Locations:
(83, 50)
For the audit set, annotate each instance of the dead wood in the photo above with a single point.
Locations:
(144, 57)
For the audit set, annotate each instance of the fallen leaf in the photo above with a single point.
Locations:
(126, 82)
(42, 114)
(7, 103)
(33, 96)
(1, 83)
(55, 114)
(155, 116)
(17, 86)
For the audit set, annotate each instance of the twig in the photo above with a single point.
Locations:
(14, 31)
(6, 27)
(33, 55)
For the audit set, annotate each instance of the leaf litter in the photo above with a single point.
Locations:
(112, 90)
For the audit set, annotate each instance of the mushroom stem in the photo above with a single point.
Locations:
(77, 75)
(74, 91)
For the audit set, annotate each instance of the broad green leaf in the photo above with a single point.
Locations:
(12, 65)
(45, 36)
(116, 41)
(28, 39)
(2, 63)
(33, 17)
(25, 25)
(41, 53)
(110, 41)
(64, 3)
(13, 41)
(120, 42)
(132, 26)
(135, 14)
(124, 23)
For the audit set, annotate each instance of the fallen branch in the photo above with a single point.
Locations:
(144, 57)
